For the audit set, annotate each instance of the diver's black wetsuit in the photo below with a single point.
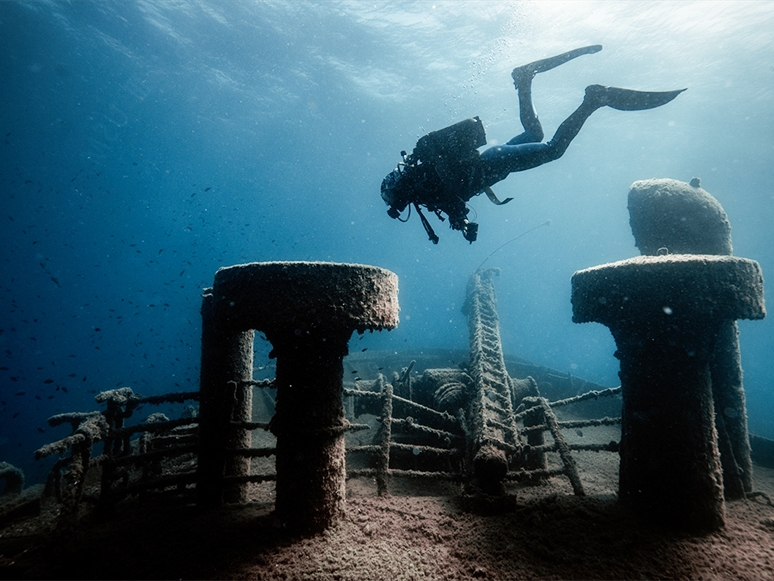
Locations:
(526, 151)
(446, 189)
(473, 175)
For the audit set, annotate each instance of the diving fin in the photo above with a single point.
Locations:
(549, 63)
(493, 198)
(628, 100)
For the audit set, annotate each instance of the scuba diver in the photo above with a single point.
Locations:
(445, 170)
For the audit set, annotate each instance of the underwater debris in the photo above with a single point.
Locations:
(410, 434)
(493, 418)
(67, 478)
(385, 432)
(414, 440)
(666, 213)
(402, 382)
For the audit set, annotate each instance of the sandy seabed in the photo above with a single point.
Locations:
(423, 530)
(541, 532)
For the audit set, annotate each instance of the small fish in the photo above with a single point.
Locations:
(365, 349)
(20, 393)
(48, 381)
(207, 189)
(41, 430)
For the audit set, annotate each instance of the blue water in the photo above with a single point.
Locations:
(145, 144)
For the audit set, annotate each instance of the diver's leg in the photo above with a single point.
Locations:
(570, 127)
(522, 80)
(598, 96)
(497, 162)
(533, 130)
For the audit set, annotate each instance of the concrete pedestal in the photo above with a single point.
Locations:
(672, 217)
(665, 313)
(307, 310)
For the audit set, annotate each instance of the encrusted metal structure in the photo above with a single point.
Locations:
(493, 435)
(124, 469)
(409, 434)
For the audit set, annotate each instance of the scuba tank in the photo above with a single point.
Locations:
(447, 147)
(447, 151)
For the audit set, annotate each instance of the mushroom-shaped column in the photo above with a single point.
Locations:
(664, 313)
(670, 216)
(308, 311)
